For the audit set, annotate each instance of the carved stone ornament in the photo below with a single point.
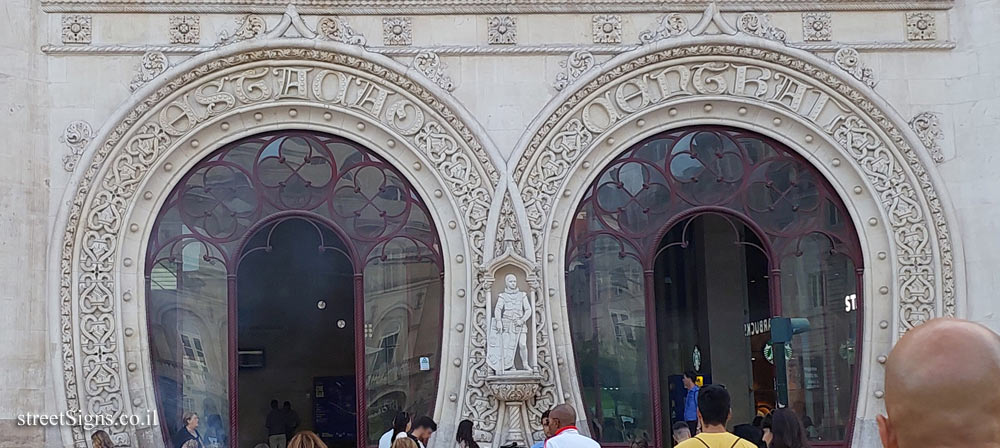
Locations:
(866, 134)
(93, 287)
(849, 59)
(667, 26)
(712, 22)
(291, 25)
(927, 126)
(397, 31)
(817, 26)
(153, 64)
(607, 29)
(247, 27)
(429, 64)
(509, 376)
(920, 26)
(501, 30)
(578, 63)
(759, 24)
(76, 29)
(508, 237)
(185, 29)
(76, 136)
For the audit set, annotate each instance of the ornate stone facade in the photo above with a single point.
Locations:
(499, 142)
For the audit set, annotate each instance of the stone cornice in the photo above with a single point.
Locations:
(383, 7)
(483, 50)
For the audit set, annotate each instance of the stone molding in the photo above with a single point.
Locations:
(484, 50)
(382, 7)
(189, 111)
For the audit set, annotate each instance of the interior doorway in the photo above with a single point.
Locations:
(712, 303)
(296, 304)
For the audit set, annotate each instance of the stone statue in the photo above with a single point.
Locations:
(508, 334)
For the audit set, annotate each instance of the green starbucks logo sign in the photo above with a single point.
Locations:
(769, 352)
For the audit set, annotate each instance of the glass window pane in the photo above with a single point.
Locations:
(821, 287)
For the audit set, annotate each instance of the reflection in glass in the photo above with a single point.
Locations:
(710, 301)
(389, 266)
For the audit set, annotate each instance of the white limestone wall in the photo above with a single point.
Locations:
(41, 93)
(25, 357)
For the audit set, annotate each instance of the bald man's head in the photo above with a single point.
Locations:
(942, 387)
(561, 416)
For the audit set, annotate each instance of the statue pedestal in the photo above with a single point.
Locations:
(514, 390)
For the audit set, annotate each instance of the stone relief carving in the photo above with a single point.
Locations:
(247, 27)
(508, 238)
(508, 334)
(712, 22)
(397, 31)
(927, 126)
(153, 64)
(667, 26)
(578, 63)
(501, 30)
(76, 136)
(338, 30)
(849, 59)
(759, 24)
(920, 26)
(88, 293)
(607, 29)
(519, 377)
(185, 29)
(848, 117)
(327, 28)
(817, 26)
(429, 64)
(76, 29)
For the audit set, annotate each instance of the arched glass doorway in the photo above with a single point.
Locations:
(291, 254)
(680, 251)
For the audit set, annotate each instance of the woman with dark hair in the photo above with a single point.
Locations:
(785, 430)
(464, 435)
(400, 428)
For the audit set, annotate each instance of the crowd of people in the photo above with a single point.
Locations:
(940, 376)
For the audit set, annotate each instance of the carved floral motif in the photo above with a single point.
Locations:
(578, 63)
(667, 26)
(76, 136)
(338, 30)
(607, 29)
(397, 31)
(153, 64)
(817, 26)
(758, 24)
(920, 26)
(185, 29)
(927, 125)
(429, 64)
(849, 59)
(247, 27)
(502, 30)
(76, 29)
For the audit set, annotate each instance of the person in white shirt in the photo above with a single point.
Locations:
(400, 428)
(562, 421)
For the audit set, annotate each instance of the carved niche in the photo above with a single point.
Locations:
(515, 381)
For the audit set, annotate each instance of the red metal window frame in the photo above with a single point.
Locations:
(271, 208)
(732, 202)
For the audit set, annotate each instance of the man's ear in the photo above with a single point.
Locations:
(885, 432)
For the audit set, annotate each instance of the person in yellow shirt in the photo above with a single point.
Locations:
(714, 411)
